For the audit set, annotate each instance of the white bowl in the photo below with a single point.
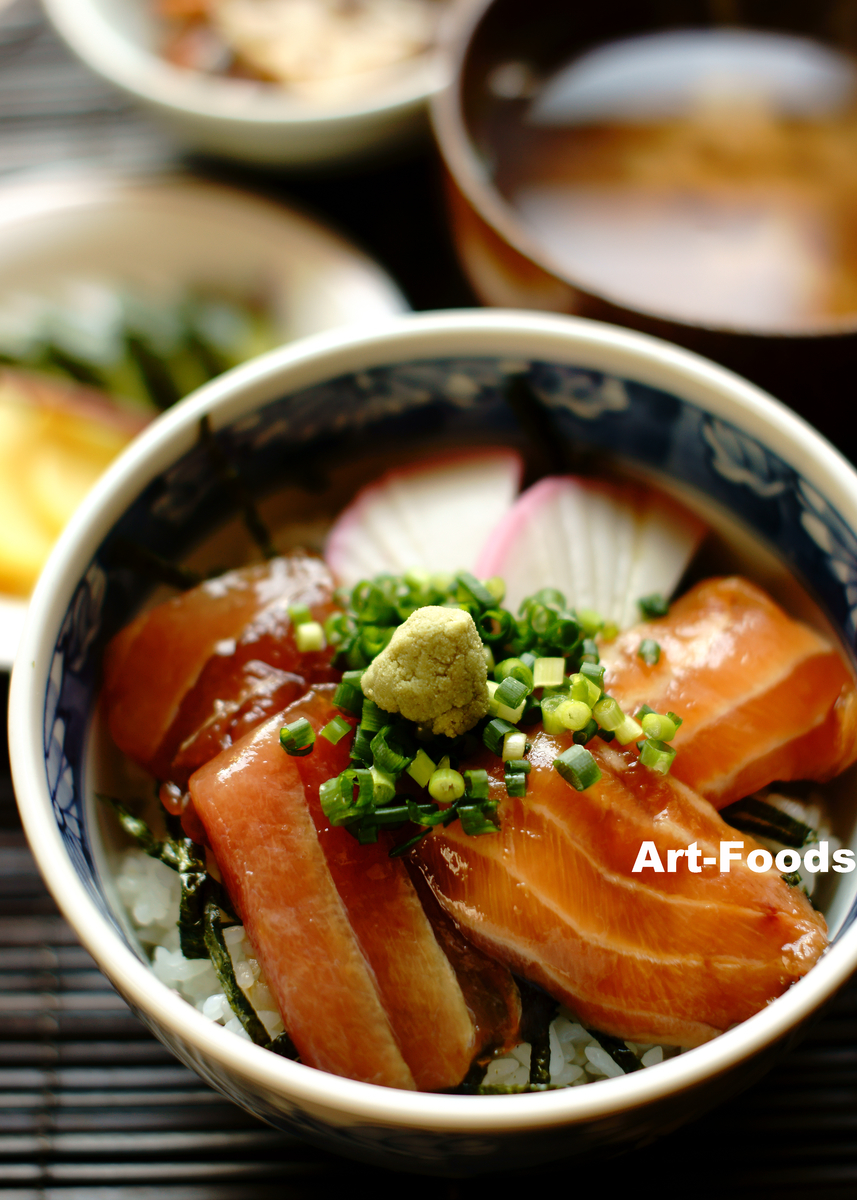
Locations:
(170, 231)
(236, 118)
(679, 418)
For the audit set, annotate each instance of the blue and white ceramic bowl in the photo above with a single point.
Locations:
(736, 453)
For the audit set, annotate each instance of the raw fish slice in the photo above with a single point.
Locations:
(203, 638)
(251, 802)
(435, 515)
(761, 696)
(490, 991)
(415, 980)
(603, 545)
(668, 957)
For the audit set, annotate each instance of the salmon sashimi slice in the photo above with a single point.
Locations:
(762, 697)
(671, 957)
(251, 802)
(434, 1027)
(177, 676)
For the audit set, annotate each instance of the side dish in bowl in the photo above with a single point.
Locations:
(281, 82)
(449, 747)
(120, 295)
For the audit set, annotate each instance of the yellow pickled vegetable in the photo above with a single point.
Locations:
(55, 441)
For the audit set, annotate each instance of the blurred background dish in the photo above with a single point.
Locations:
(690, 173)
(290, 82)
(92, 1104)
(117, 297)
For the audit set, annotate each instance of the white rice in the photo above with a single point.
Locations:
(151, 893)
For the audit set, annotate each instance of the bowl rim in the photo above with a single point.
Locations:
(446, 112)
(242, 103)
(501, 334)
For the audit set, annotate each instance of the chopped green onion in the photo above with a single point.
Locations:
(607, 713)
(653, 606)
(514, 745)
(573, 715)
(643, 711)
(497, 587)
(446, 785)
(515, 668)
(299, 614)
(548, 596)
(565, 633)
(589, 652)
(389, 815)
(591, 622)
(511, 693)
(655, 725)
(516, 784)
(628, 731)
(548, 672)
(337, 798)
(384, 787)
(588, 732)
(309, 637)
(474, 818)
(426, 814)
(349, 696)
(373, 718)
(488, 654)
(550, 715)
(398, 851)
(517, 766)
(375, 638)
(649, 652)
(494, 733)
(421, 769)
(656, 755)
(335, 730)
(677, 721)
(495, 626)
(497, 709)
(390, 751)
(577, 767)
(298, 737)
(582, 688)
(594, 672)
(361, 747)
(476, 784)
(474, 590)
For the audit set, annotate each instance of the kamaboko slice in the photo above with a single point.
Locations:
(251, 801)
(604, 545)
(669, 956)
(435, 515)
(761, 695)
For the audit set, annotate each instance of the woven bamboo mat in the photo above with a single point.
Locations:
(91, 1107)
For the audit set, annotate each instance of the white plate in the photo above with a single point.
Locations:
(172, 230)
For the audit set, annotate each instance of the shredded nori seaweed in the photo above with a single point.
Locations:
(759, 819)
(221, 960)
(185, 857)
(618, 1051)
